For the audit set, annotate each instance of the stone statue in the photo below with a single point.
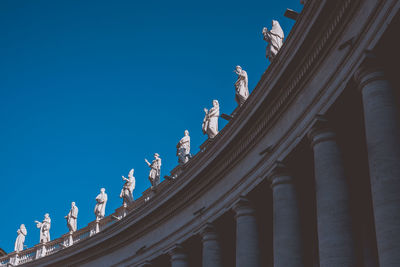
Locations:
(210, 122)
(100, 208)
(241, 85)
(127, 190)
(183, 148)
(19, 242)
(44, 228)
(155, 171)
(72, 218)
(274, 37)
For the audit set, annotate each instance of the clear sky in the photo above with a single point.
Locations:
(88, 89)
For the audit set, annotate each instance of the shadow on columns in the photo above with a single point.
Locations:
(161, 261)
(193, 249)
(261, 199)
(225, 227)
(300, 163)
(346, 117)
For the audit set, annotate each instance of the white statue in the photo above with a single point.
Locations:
(155, 171)
(44, 228)
(241, 85)
(72, 218)
(183, 148)
(210, 122)
(100, 208)
(127, 190)
(19, 242)
(274, 37)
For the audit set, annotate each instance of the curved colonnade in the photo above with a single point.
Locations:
(307, 172)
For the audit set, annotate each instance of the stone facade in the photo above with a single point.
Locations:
(307, 173)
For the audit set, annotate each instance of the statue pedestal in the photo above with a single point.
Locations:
(97, 227)
(175, 172)
(14, 258)
(94, 227)
(122, 211)
(149, 194)
(68, 240)
(206, 143)
(40, 250)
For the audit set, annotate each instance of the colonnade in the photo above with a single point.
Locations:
(336, 241)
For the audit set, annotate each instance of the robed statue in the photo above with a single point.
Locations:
(100, 208)
(19, 242)
(274, 37)
(44, 228)
(72, 218)
(155, 170)
(210, 121)
(241, 86)
(183, 148)
(127, 190)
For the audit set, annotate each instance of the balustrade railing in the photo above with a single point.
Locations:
(49, 248)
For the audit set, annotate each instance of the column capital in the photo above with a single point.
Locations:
(177, 252)
(279, 174)
(370, 70)
(320, 131)
(208, 232)
(146, 264)
(243, 207)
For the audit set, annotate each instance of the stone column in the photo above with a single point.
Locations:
(335, 238)
(212, 255)
(382, 130)
(247, 243)
(287, 233)
(178, 257)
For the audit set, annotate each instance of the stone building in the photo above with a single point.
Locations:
(306, 174)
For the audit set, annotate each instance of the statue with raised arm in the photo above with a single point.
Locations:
(127, 190)
(44, 228)
(274, 38)
(241, 85)
(210, 122)
(183, 148)
(100, 208)
(155, 170)
(72, 218)
(19, 242)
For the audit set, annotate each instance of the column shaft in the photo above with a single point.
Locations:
(382, 130)
(287, 234)
(247, 243)
(335, 238)
(212, 254)
(179, 257)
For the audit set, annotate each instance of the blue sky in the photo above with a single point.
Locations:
(88, 89)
